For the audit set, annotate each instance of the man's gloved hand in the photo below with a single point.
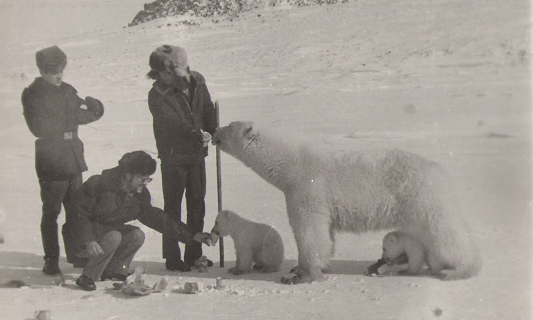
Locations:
(203, 237)
(94, 105)
(197, 137)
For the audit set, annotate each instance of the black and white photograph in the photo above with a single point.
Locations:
(266, 159)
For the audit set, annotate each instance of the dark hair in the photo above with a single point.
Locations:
(138, 162)
(152, 74)
(157, 61)
(157, 64)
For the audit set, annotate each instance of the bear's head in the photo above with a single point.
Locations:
(224, 223)
(392, 248)
(234, 138)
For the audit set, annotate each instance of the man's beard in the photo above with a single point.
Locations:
(132, 188)
(181, 83)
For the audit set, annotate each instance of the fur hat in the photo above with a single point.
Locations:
(170, 58)
(51, 60)
(138, 162)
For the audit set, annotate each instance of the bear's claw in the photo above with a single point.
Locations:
(236, 271)
(301, 279)
(290, 280)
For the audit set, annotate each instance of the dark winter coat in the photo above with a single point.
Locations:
(100, 206)
(175, 116)
(53, 114)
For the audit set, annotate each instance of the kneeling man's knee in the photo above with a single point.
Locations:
(137, 237)
(111, 239)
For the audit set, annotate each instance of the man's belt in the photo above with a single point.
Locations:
(69, 135)
(63, 136)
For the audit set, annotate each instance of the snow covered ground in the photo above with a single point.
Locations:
(447, 79)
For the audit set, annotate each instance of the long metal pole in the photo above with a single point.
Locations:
(219, 188)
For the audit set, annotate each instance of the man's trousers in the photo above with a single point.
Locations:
(177, 179)
(53, 195)
(119, 246)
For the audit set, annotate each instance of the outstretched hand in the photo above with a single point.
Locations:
(203, 237)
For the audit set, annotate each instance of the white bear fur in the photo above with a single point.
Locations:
(356, 192)
(397, 243)
(254, 242)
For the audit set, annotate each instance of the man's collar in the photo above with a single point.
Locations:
(163, 87)
(112, 179)
(39, 81)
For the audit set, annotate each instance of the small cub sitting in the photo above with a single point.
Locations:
(397, 243)
(254, 242)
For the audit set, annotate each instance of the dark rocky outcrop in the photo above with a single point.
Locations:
(222, 9)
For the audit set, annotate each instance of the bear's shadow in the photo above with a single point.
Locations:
(349, 267)
(337, 267)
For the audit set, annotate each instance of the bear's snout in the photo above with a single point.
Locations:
(216, 137)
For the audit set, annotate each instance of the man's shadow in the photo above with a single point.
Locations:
(20, 269)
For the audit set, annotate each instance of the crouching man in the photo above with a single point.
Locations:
(96, 235)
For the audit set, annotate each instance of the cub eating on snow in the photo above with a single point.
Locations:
(396, 244)
(255, 243)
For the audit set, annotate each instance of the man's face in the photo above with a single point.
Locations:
(53, 78)
(136, 182)
(178, 78)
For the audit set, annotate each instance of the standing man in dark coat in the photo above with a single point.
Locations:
(53, 111)
(183, 120)
(96, 232)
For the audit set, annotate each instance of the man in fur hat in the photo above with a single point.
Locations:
(96, 232)
(53, 112)
(183, 115)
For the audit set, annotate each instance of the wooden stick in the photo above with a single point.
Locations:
(219, 188)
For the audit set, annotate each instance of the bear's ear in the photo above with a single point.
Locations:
(230, 215)
(225, 214)
(392, 238)
(247, 129)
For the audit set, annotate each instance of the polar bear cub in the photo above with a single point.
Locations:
(396, 243)
(255, 243)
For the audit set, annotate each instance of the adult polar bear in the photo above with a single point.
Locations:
(356, 192)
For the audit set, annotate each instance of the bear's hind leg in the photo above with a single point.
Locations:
(312, 233)
(415, 259)
(435, 264)
(263, 266)
(243, 263)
